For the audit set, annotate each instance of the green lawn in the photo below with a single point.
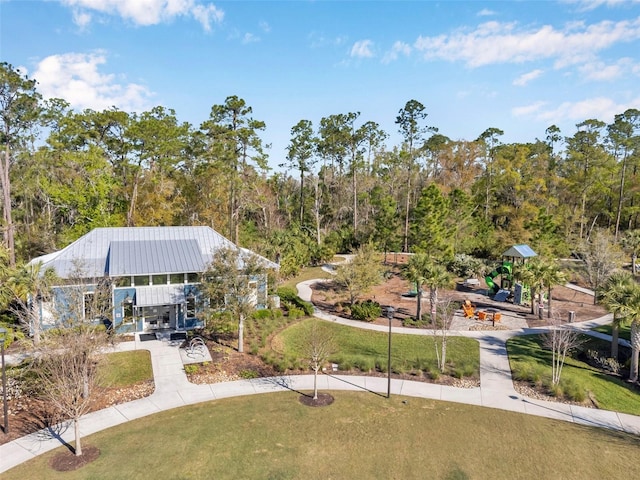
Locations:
(529, 361)
(126, 368)
(625, 331)
(367, 350)
(309, 273)
(361, 435)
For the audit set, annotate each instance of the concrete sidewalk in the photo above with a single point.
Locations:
(172, 389)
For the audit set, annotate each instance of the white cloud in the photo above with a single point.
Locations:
(265, 27)
(602, 108)
(485, 12)
(146, 12)
(494, 42)
(600, 71)
(250, 38)
(81, 19)
(587, 5)
(362, 49)
(527, 109)
(525, 78)
(318, 40)
(75, 77)
(398, 48)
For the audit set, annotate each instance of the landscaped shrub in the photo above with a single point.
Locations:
(364, 364)
(262, 314)
(248, 374)
(191, 368)
(602, 361)
(529, 372)
(466, 266)
(12, 334)
(412, 322)
(366, 311)
(289, 297)
(572, 390)
(295, 313)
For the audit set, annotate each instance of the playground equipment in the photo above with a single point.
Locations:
(505, 271)
(503, 290)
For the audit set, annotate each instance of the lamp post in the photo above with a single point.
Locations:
(5, 407)
(390, 312)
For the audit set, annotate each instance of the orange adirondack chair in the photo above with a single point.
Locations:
(467, 308)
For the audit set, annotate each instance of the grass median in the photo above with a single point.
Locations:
(360, 435)
(366, 350)
(530, 362)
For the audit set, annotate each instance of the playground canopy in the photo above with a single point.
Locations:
(520, 251)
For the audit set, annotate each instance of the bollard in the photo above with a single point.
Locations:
(541, 311)
(572, 316)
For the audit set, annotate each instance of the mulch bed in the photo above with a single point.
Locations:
(323, 400)
(68, 461)
(328, 296)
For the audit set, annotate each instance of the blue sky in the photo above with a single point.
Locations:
(519, 66)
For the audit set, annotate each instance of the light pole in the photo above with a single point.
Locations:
(5, 407)
(390, 312)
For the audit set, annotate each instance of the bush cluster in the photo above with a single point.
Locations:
(289, 298)
(466, 266)
(366, 311)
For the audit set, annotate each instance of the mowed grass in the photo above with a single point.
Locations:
(359, 436)
(367, 350)
(122, 369)
(610, 393)
(625, 331)
(309, 273)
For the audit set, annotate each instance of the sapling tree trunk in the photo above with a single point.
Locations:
(635, 350)
(561, 340)
(318, 345)
(441, 323)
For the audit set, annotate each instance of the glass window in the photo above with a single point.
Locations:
(128, 312)
(192, 278)
(88, 306)
(191, 305)
(176, 278)
(159, 279)
(141, 280)
(123, 282)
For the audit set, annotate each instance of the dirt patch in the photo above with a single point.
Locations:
(68, 461)
(395, 291)
(29, 414)
(323, 400)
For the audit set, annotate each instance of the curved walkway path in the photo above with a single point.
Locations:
(172, 389)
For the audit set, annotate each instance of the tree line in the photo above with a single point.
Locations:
(64, 172)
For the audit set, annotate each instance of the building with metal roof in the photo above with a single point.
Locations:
(153, 274)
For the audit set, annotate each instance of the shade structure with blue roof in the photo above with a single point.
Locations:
(520, 251)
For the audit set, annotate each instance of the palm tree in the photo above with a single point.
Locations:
(416, 272)
(28, 286)
(422, 270)
(631, 311)
(437, 277)
(550, 276)
(530, 274)
(631, 244)
(615, 290)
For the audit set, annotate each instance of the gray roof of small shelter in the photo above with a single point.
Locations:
(520, 251)
(146, 250)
